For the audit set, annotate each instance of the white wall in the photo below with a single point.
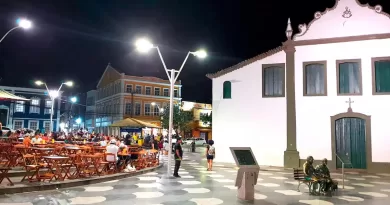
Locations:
(248, 119)
(313, 113)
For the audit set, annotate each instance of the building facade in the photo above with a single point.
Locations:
(119, 96)
(323, 93)
(33, 114)
(200, 129)
(90, 112)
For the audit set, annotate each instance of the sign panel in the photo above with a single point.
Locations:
(244, 157)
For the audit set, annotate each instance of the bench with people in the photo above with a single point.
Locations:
(317, 179)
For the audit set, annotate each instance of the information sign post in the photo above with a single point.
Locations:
(247, 174)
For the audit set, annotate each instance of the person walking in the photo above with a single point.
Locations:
(210, 154)
(178, 157)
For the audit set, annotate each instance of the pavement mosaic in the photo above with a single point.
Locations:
(200, 187)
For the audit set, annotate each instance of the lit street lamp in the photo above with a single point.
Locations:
(53, 94)
(73, 99)
(143, 45)
(22, 23)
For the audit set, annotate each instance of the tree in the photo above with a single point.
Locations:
(181, 119)
(206, 118)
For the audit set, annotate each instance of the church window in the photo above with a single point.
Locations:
(227, 90)
(314, 79)
(381, 75)
(349, 77)
(273, 80)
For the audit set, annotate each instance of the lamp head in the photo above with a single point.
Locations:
(54, 94)
(153, 103)
(73, 99)
(143, 45)
(38, 82)
(24, 23)
(69, 83)
(200, 54)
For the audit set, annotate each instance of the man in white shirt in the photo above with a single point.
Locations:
(113, 149)
(36, 140)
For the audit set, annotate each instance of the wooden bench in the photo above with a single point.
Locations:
(299, 176)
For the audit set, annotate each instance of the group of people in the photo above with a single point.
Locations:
(320, 175)
(178, 153)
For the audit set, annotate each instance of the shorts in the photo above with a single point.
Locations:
(210, 157)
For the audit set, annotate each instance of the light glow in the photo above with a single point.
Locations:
(153, 104)
(161, 109)
(200, 54)
(143, 45)
(69, 83)
(38, 82)
(73, 99)
(78, 120)
(24, 23)
(54, 94)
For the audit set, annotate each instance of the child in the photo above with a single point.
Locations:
(210, 155)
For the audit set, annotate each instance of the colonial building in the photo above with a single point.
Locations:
(33, 114)
(90, 112)
(121, 96)
(324, 92)
(199, 129)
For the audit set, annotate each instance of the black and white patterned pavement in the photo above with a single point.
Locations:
(200, 187)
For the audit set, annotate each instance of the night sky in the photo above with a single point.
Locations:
(76, 39)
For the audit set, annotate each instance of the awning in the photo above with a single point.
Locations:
(133, 123)
(4, 95)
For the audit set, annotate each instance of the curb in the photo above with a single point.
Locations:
(73, 183)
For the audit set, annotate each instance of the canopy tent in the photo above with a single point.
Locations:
(4, 95)
(133, 123)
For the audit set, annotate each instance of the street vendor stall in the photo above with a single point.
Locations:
(131, 125)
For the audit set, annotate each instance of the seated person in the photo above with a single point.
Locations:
(324, 173)
(37, 139)
(310, 173)
(27, 141)
(113, 149)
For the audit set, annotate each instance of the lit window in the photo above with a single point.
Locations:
(34, 106)
(19, 106)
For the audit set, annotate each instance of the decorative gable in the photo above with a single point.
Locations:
(346, 18)
(110, 75)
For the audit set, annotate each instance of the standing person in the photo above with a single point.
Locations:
(210, 154)
(178, 157)
(128, 139)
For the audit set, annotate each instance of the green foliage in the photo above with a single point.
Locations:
(181, 119)
(206, 118)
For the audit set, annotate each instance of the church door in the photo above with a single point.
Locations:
(351, 142)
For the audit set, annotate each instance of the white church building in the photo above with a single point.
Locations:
(325, 92)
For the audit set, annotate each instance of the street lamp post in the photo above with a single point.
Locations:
(22, 23)
(53, 94)
(73, 100)
(143, 46)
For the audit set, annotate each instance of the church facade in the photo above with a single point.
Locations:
(325, 92)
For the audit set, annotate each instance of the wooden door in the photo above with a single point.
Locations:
(351, 143)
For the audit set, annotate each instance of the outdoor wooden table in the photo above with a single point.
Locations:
(72, 149)
(92, 164)
(4, 139)
(43, 151)
(59, 163)
(100, 149)
(4, 169)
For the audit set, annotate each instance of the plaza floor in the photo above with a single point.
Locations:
(200, 187)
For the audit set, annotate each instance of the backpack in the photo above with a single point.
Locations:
(211, 150)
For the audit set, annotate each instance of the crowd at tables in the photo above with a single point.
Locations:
(56, 156)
